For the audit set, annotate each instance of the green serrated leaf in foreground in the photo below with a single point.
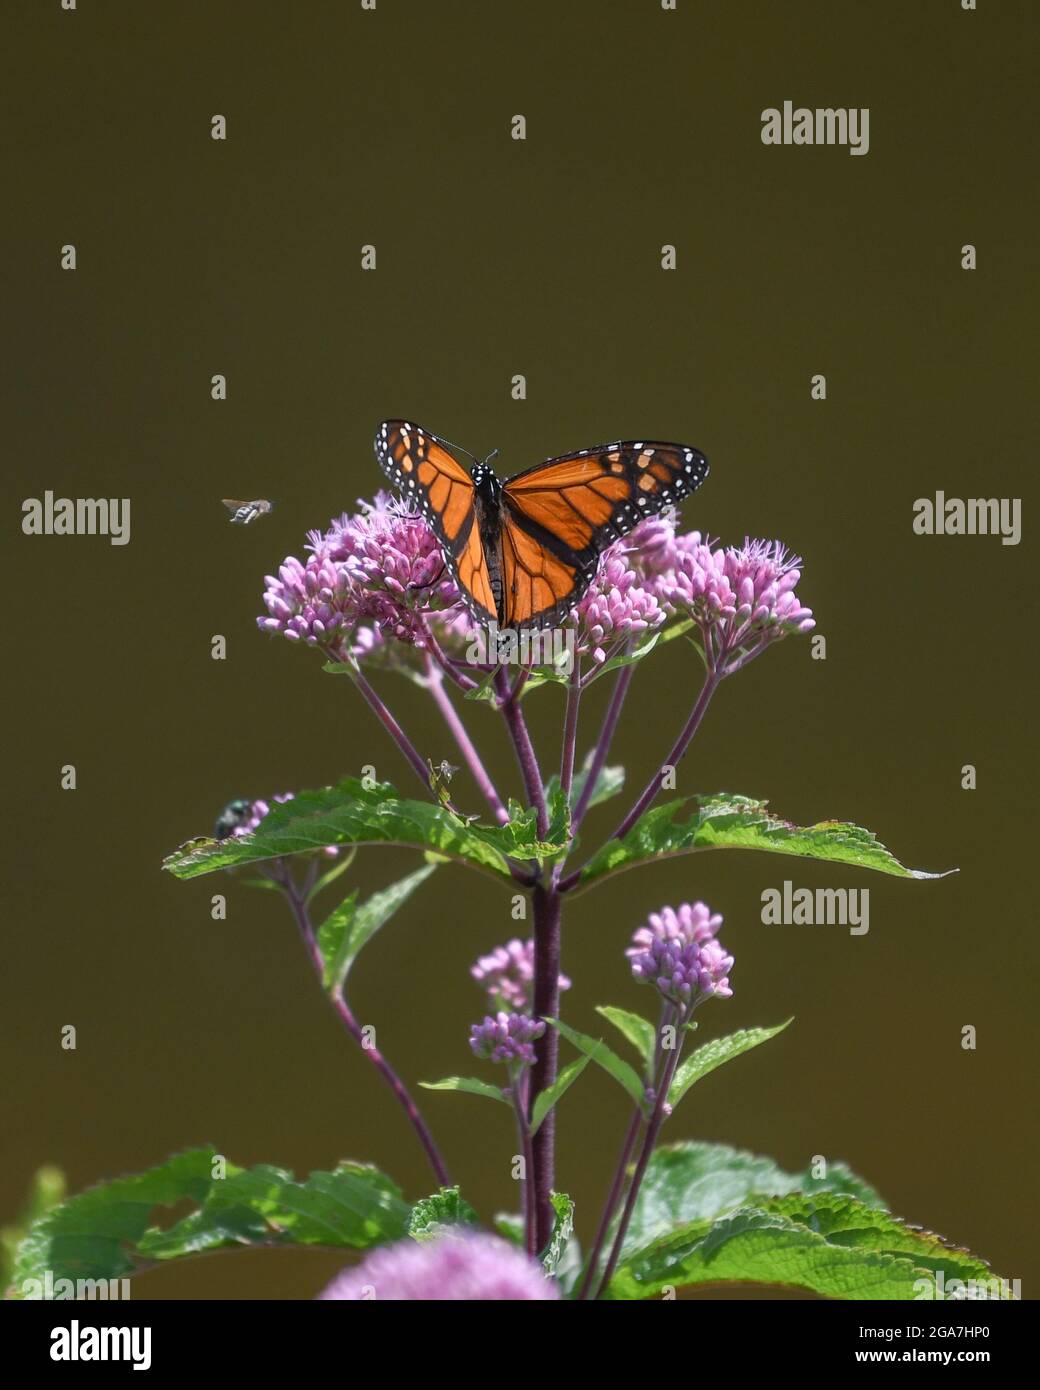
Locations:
(692, 1181)
(108, 1231)
(354, 814)
(828, 1244)
(444, 1211)
(563, 1229)
(725, 821)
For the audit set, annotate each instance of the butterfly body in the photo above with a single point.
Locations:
(524, 551)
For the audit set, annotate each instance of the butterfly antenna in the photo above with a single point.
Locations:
(461, 450)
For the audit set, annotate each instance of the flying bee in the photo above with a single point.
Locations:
(245, 512)
(235, 814)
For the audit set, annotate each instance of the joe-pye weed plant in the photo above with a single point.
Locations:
(373, 601)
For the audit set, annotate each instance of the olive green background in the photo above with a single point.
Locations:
(497, 257)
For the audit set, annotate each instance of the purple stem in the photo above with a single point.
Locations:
(434, 649)
(385, 718)
(613, 1197)
(654, 785)
(740, 662)
(570, 731)
(649, 1140)
(525, 754)
(465, 743)
(519, 1089)
(547, 908)
(339, 1003)
(602, 749)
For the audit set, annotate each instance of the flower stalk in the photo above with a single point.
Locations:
(375, 591)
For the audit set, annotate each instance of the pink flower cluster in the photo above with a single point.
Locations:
(380, 569)
(451, 1268)
(616, 607)
(740, 597)
(677, 952)
(379, 575)
(506, 1038)
(507, 973)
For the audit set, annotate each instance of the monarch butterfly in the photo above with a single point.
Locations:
(523, 552)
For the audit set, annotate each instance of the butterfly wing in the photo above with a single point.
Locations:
(425, 473)
(560, 516)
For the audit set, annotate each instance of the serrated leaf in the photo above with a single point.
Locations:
(351, 926)
(520, 832)
(46, 1191)
(690, 1182)
(563, 1229)
(715, 1054)
(830, 1244)
(105, 1232)
(545, 1100)
(436, 1215)
(598, 1051)
(640, 1032)
(469, 1084)
(352, 813)
(727, 821)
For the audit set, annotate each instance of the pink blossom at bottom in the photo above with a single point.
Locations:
(450, 1269)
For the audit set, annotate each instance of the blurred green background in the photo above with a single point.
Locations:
(497, 257)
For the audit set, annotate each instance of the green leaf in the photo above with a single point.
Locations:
(598, 1051)
(563, 1229)
(46, 1191)
(520, 833)
(341, 865)
(434, 1216)
(610, 781)
(469, 1084)
(350, 927)
(545, 1100)
(727, 821)
(353, 814)
(640, 1032)
(546, 675)
(105, 1232)
(484, 690)
(510, 1226)
(690, 1182)
(830, 1244)
(715, 1054)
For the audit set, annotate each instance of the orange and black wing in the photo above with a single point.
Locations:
(559, 517)
(426, 474)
